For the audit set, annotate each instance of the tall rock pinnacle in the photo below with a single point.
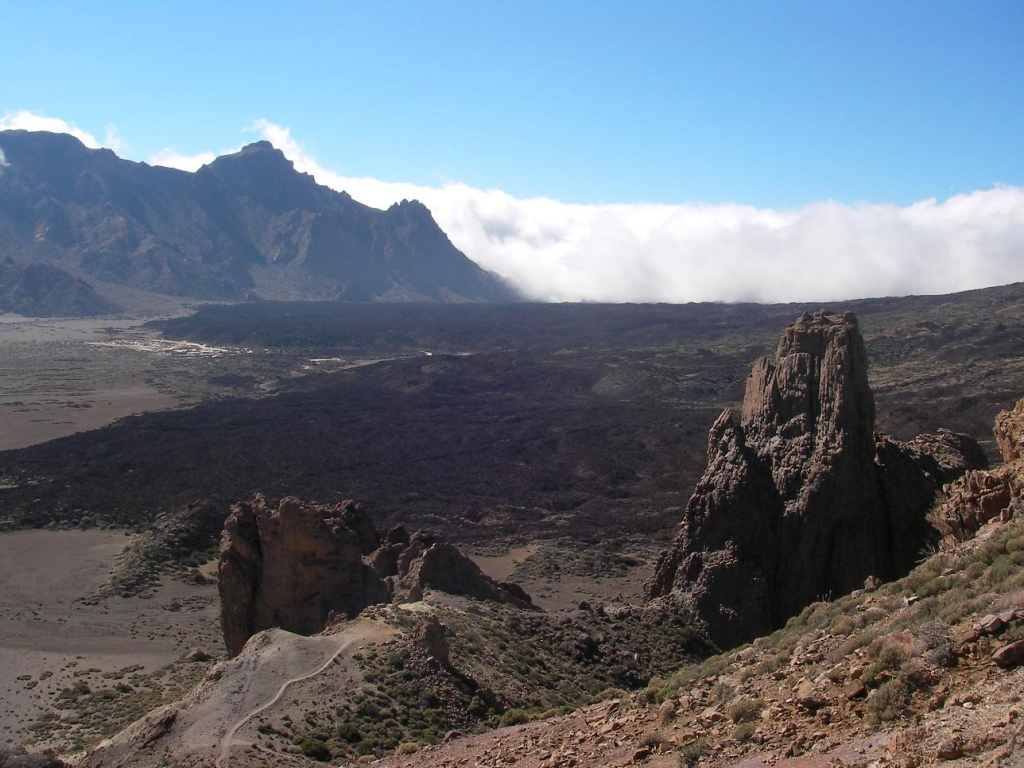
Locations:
(794, 505)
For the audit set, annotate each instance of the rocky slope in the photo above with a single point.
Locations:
(41, 290)
(245, 225)
(297, 566)
(918, 673)
(798, 500)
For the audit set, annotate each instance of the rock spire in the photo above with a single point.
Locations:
(795, 504)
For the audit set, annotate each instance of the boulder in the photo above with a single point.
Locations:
(429, 562)
(800, 499)
(1010, 655)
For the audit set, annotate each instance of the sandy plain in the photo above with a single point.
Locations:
(59, 376)
(53, 636)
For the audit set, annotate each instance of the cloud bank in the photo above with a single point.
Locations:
(823, 251)
(556, 251)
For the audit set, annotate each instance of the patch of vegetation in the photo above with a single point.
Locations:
(96, 706)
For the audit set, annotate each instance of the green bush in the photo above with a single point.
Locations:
(743, 731)
(315, 750)
(514, 717)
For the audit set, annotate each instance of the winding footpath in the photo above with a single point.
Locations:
(229, 740)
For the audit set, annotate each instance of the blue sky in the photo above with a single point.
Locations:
(772, 107)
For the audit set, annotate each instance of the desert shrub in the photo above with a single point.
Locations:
(888, 702)
(850, 645)
(349, 732)
(744, 710)
(873, 614)
(721, 693)
(843, 625)
(1001, 571)
(315, 750)
(974, 571)
(407, 748)
(743, 731)
(690, 754)
(514, 717)
(889, 653)
(607, 694)
(653, 739)
(939, 648)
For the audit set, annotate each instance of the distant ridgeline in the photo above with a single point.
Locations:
(247, 225)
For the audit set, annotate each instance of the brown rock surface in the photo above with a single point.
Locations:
(979, 496)
(298, 566)
(1010, 655)
(799, 499)
(429, 562)
(290, 567)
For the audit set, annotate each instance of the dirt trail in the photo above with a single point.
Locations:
(369, 632)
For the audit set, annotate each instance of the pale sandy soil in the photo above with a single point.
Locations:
(567, 591)
(49, 639)
(55, 381)
(501, 567)
(59, 376)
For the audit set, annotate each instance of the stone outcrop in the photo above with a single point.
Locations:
(980, 496)
(299, 565)
(800, 499)
(422, 561)
(290, 567)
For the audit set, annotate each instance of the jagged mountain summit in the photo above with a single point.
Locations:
(247, 225)
(801, 499)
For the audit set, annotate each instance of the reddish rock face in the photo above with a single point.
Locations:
(797, 503)
(980, 496)
(291, 566)
(295, 566)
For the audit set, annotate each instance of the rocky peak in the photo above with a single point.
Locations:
(299, 565)
(262, 173)
(794, 505)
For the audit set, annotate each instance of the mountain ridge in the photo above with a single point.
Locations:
(245, 226)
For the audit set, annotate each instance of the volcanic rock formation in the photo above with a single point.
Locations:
(295, 566)
(799, 501)
(979, 496)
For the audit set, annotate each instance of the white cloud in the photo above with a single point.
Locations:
(3, 162)
(113, 141)
(824, 251)
(28, 121)
(172, 159)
